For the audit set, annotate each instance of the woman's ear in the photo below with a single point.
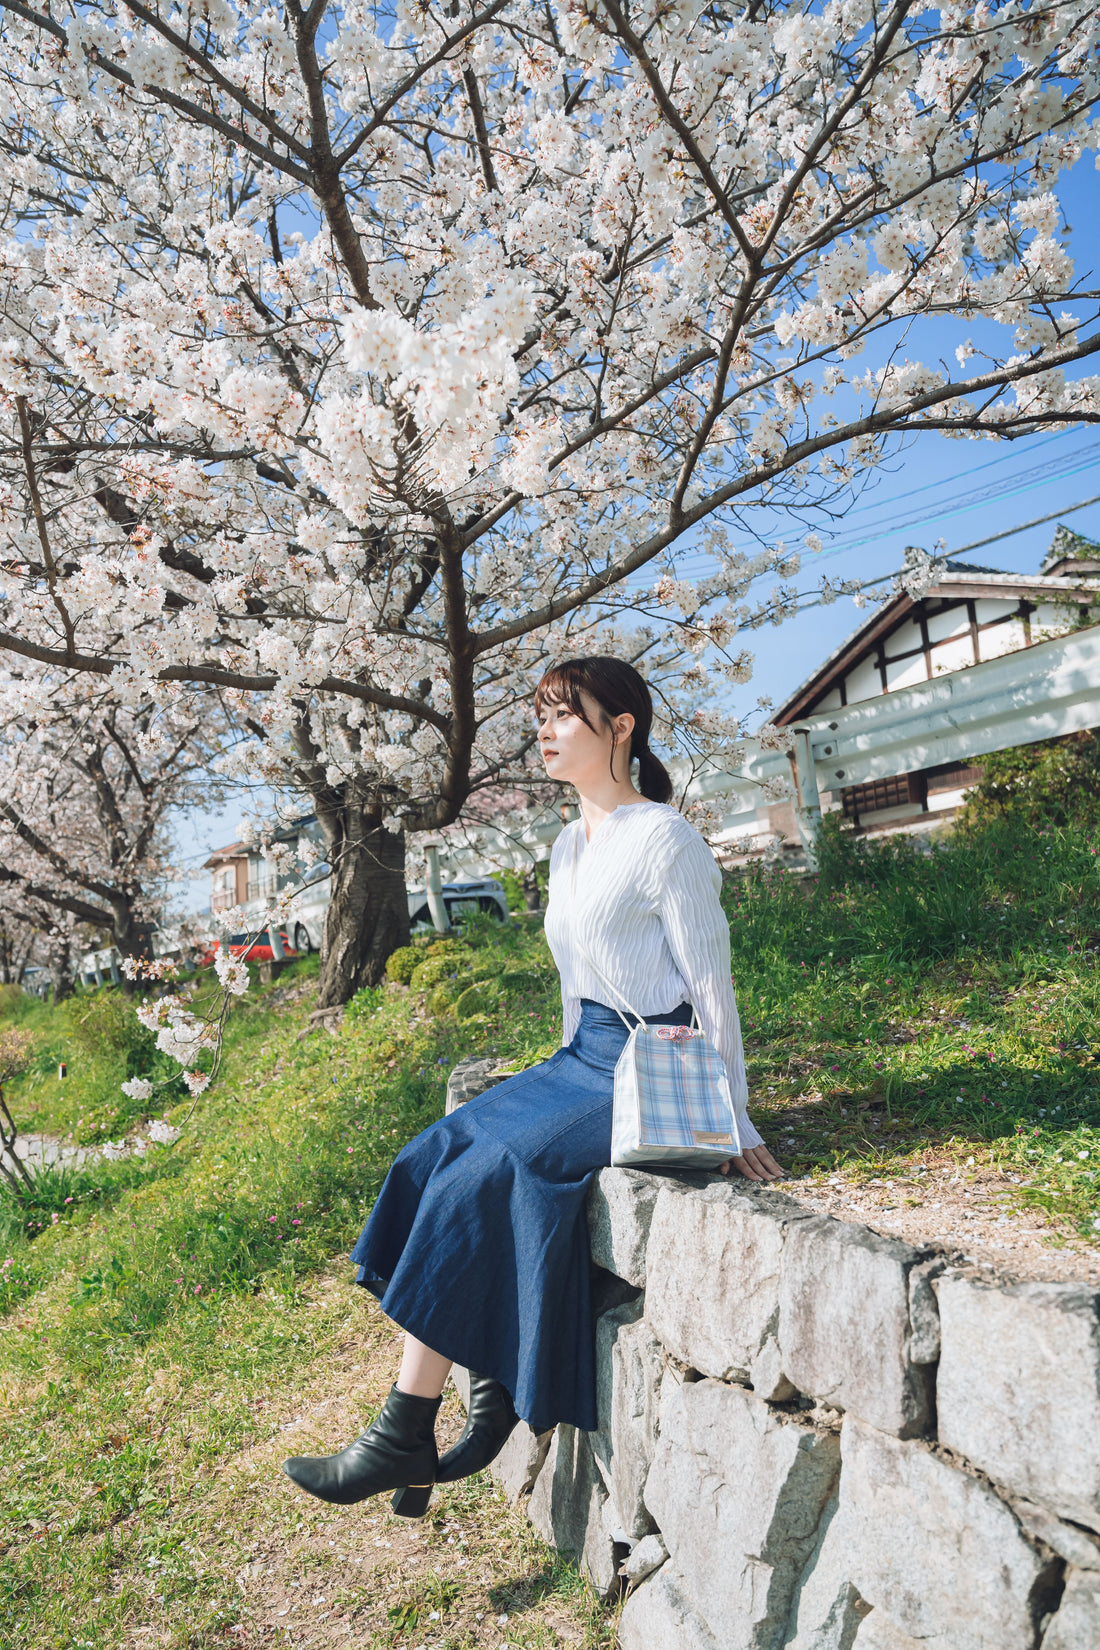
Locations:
(622, 727)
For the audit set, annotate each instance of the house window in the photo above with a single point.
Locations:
(896, 792)
(224, 893)
(952, 776)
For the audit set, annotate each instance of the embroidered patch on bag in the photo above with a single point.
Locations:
(703, 1138)
(676, 1034)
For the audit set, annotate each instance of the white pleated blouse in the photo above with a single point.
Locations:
(640, 899)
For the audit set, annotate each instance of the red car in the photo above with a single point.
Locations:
(259, 951)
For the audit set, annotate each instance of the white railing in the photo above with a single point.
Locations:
(1039, 692)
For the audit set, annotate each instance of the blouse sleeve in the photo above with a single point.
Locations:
(570, 1004)
(699, 939)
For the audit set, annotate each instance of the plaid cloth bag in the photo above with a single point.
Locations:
(672, 1101)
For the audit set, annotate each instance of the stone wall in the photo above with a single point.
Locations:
(814, 1437)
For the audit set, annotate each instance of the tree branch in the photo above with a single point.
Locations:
(40, 523)
(94, 664)
(895, 420)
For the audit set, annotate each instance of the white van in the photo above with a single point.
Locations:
(305, 918)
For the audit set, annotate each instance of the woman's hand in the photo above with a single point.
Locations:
(755, 1163)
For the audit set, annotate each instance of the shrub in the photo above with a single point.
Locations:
(1053, 782)
(441, 997)
(401, 963)
(441, 962)
(11, 998)
(105, 1021)
(476, 999)
(524, 980)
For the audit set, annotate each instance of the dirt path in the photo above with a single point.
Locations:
(471, 1575)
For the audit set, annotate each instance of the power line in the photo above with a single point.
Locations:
(1066, 510)
(1028, 480)
(962, 504)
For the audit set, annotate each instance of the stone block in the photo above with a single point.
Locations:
(1018, 1389)
(767, 1377)
(629, 1367)
(1077, 1546)
(620, 1209)
(460, 1380)
(878, 1632)
(845, 1331)
(567, 1508)
(712, 1295)
(739, 1493)
(472, 1077)
(827, 1610)
(610, 1325)
(936, 1550)
(1076, 1626)
(644, 1557)
(519, 1463)
(657, 1616)
(924, 1314)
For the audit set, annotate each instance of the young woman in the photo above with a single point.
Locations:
(478, 1243)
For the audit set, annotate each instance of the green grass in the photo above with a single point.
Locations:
(902, 1002)
(174, 1312)
(164, 1319)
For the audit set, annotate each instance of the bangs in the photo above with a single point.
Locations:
(562, 685)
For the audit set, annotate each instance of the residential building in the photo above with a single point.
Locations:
(959, 616)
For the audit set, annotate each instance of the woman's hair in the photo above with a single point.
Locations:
(618, 689)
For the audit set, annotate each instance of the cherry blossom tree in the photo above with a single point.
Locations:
(86, 790)
(360, 359)
(17, 942)
(35, 934)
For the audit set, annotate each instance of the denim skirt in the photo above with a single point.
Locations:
(478, 1242)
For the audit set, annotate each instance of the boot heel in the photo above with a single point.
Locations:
(412, 1501)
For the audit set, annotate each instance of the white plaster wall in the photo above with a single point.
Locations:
(863, 682)
(954, 622)
(906, 672)
(1006, 638)
(953, 655)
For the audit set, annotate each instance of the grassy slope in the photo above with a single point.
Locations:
(187, 1321)
(905, 1000)
(186, 1309)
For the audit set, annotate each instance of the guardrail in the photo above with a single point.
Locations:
(1039, 692)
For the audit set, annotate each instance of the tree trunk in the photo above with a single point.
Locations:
(61, 971)
(368, 913)
(131, 936)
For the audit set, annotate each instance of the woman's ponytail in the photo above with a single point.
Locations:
(653, 779)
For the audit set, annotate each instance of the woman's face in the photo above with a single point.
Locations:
(578, 754)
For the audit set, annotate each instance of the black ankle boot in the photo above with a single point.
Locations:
(397, 1452)
(490, 1421)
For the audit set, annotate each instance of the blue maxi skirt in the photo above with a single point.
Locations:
(478, 1242)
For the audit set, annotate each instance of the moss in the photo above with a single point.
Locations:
(476, 999)
(522, 980)
(441, 998)
(401, 964)
(439, 965)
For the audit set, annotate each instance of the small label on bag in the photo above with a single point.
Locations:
(703, 1138)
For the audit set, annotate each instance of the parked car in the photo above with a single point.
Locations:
(461, 899)
(252, 947)
(306, 916)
